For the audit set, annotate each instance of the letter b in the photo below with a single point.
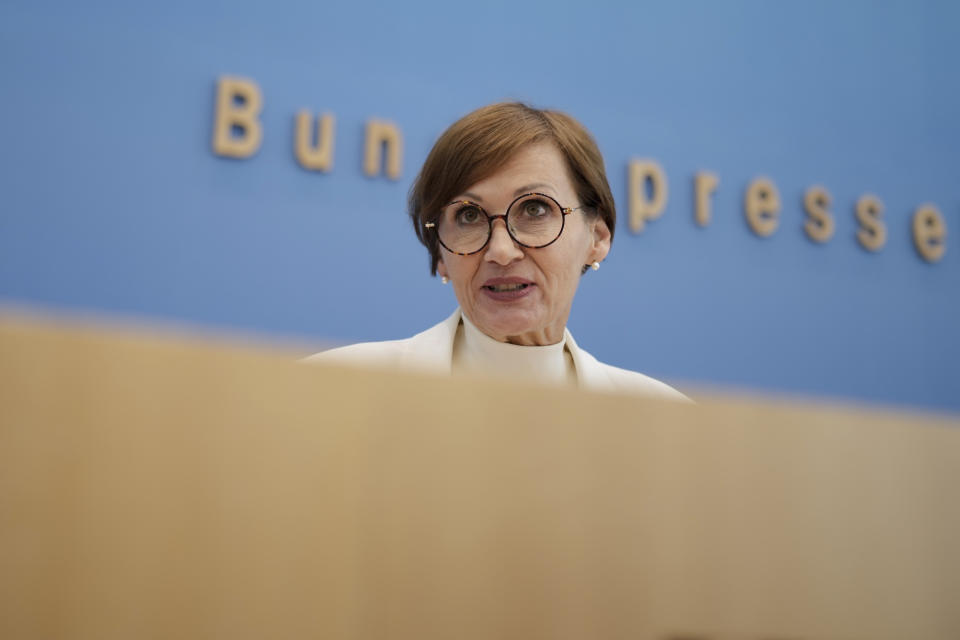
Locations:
(237, 132)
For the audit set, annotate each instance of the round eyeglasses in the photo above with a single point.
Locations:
(533, 220)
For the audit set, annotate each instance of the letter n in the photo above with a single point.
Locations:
(383, 135)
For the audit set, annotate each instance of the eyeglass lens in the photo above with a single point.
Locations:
(534, 220)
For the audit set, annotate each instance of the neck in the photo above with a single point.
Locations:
(475, 351)
(540, 338)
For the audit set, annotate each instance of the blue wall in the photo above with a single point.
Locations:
(113, 200)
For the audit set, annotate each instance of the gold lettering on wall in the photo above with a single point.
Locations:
(761, 206)
(872, 234)
(704, 184)
(383, 135)
(929, 233)
(643, 207)
(819, 225)
(237, 132)
(314, 152)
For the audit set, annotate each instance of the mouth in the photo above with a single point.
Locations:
(507, 290)
(513, 286)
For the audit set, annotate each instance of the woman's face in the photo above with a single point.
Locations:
(535, 314)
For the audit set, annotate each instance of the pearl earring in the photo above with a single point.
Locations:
(595, 266)
(444, 279)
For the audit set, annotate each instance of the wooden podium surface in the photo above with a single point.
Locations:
(165, 488)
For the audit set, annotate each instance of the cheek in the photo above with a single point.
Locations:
(563, 271)
(575, 256)
(460, 270)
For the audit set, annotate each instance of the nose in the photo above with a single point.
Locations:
(501, 248)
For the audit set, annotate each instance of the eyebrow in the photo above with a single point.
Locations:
(527, 188)
(530, 187)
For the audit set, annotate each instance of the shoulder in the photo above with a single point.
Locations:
(429, 350)
(599, 376)
(634, 382)
(363, 353)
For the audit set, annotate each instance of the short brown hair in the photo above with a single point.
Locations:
(478, 144)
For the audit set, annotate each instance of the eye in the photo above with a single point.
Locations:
(534, 208)
(469, 215)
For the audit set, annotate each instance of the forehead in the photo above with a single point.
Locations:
(538, 166)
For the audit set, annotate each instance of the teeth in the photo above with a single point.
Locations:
(507, 287)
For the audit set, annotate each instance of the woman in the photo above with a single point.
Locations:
(514, 207)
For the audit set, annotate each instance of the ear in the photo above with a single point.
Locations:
(600, 245)
(442, 268)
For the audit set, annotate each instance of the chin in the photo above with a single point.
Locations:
(503, 323)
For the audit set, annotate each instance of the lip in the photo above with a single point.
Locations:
(507, 296)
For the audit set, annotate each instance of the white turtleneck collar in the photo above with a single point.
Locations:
(476, 352)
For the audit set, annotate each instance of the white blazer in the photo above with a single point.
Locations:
(432, 351)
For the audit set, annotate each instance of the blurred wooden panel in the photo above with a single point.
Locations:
(167, 488)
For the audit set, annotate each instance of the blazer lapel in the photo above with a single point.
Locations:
(590, 373)
(432, 350)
